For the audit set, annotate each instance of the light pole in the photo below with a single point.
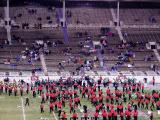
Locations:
(8, 22)
(64, 11)
(63, 19)
(118, 21)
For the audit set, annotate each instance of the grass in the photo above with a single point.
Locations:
(8, 108)
(11, 109)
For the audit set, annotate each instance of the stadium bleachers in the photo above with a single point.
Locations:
(88, 16)
(33, 15)
(134, 16)
(94, 16)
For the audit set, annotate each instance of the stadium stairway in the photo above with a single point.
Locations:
(118, 28)
(64, 29)
(157, 54)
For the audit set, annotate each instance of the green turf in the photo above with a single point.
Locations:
(10, 109)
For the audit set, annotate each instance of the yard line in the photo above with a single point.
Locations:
(24, 115)
(81, 110)
(54, 115)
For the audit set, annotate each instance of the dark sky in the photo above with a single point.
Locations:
(119, 0)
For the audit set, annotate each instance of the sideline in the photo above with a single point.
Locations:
(23, 110)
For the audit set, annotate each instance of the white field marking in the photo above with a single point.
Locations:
(54, 115)
(80, 109)
(24, 115)
(42, 118)
(18, 106)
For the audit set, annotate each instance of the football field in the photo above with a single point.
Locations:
(13, 108)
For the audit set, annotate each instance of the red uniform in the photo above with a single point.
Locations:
(74, 115)
(64, 115)
(96, 114)
(104, 113)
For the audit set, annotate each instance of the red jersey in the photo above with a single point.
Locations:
(135, 112)
(41, 106)
(51, 105)
(122, 114)
(85, 115)
(96, 114)
(64, 115)
(42, 95)
(104, 113)
(128, 113)
(74, 115)
(158, 103)
(120, 107)
(110, 114)
(47, 94)
(115, 113)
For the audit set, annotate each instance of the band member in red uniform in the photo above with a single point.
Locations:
(63, 102)
(128, 115)
(21, 90)
(108, 106)
(1, 88)
(74, 115)
(6, 88)
(42, 97)
(142, 88)
(104, 114)
(85, 116)
(15, 91)
(42, 107)
(10, 90)
(47, 96)
(27, 90)
(115, 115)
(51, 107)
(107, 98)
(108, 91)
(34, 92)
(135, 114)
(96, 114)
(78, 101)
(83, 93)
(120, 107)
(63, 115)
(146, 102)
(158, 105)
(109, 115)
(71, 107)
(152, 106)
(122, 115)
(59, 105)
(41, 88)
(155, 96)
(129, 95)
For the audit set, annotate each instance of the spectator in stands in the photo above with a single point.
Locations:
(152, 19)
